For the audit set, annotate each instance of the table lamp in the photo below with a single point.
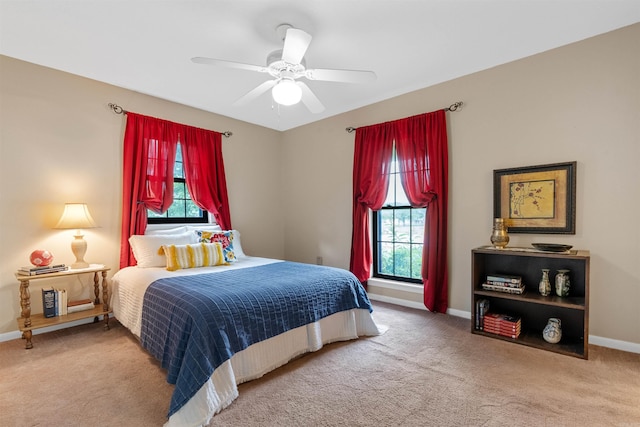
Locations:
(76, 215)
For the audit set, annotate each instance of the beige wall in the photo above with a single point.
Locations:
(580, 102)
(290, 192)
(60, 142)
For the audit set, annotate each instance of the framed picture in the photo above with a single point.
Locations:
(536, 199)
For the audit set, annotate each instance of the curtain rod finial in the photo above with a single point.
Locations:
(116, 108)
(227, 134)
(350, 129)
(455, 106)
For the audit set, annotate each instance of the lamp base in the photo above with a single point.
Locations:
(79, 248)
(79, 265)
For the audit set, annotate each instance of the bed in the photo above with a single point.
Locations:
(214, 327)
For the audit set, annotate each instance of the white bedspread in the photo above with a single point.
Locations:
(129, 286)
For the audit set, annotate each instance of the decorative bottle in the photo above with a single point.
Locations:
(552, 333)
(499, 236)
(563, 285)
(545, 286)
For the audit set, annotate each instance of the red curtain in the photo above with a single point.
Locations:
(421, 148)
(204, 173)
(371, 164)
(149, 155)
(148, 161)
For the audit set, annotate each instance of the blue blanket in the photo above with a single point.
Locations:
(193, 324)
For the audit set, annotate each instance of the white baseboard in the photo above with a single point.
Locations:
(397, 301)
(418, 305)
(616, 344)
(595, 340)
(8, 336)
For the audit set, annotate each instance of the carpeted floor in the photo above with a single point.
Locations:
(426, 370)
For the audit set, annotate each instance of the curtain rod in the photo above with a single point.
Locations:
(453, 107)
(119, 110)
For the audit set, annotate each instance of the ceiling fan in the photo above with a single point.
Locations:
(286, 66)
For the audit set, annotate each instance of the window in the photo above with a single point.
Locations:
(398, 234)
(182, 210)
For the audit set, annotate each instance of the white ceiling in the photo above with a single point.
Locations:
(146, 46)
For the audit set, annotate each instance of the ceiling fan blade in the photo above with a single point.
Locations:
(296, 43)
(255, 93)
(229, 64)
(310, 100)
(345, 76)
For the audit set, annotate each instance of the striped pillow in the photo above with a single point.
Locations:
(194, 255)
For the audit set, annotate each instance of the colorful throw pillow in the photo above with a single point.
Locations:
(224, 237)
(193, 256)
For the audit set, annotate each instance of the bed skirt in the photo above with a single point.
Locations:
(260, 358)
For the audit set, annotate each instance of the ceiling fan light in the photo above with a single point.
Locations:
(286, 92)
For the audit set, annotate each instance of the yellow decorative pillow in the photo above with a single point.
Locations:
(194, 255)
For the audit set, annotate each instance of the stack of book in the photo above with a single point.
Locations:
(33, 271)
(55, 303)
(504, 283)
(502, 324)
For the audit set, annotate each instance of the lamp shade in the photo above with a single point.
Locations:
(286, 92)
(76, 215)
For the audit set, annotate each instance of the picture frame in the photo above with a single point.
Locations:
(536, 199)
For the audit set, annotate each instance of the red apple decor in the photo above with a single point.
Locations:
(41, 258)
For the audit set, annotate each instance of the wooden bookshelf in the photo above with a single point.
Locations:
(533, 308)
(27, 322)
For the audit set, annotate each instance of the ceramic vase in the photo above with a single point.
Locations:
(499, 236)
(545, 286)
(563, 285)
(552, 333)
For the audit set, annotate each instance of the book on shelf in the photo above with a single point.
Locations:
(41, 267)
(79, 302)
(490, 327)
(80, 305)
(505, 289)
(482, 307)
(504, 278)
(513, 335)
(34, 271)
(48, 302)
(502, 318)
(62, 302)
(498, 325)
(504, 284)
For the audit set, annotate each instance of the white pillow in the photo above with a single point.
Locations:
(237, 247)
(177, 230)
(145, 248)
(204, 227)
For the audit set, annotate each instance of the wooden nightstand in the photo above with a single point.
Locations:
(26, 322)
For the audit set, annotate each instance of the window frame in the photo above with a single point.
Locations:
(395, 203)
(166, 219)
(376, 242)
